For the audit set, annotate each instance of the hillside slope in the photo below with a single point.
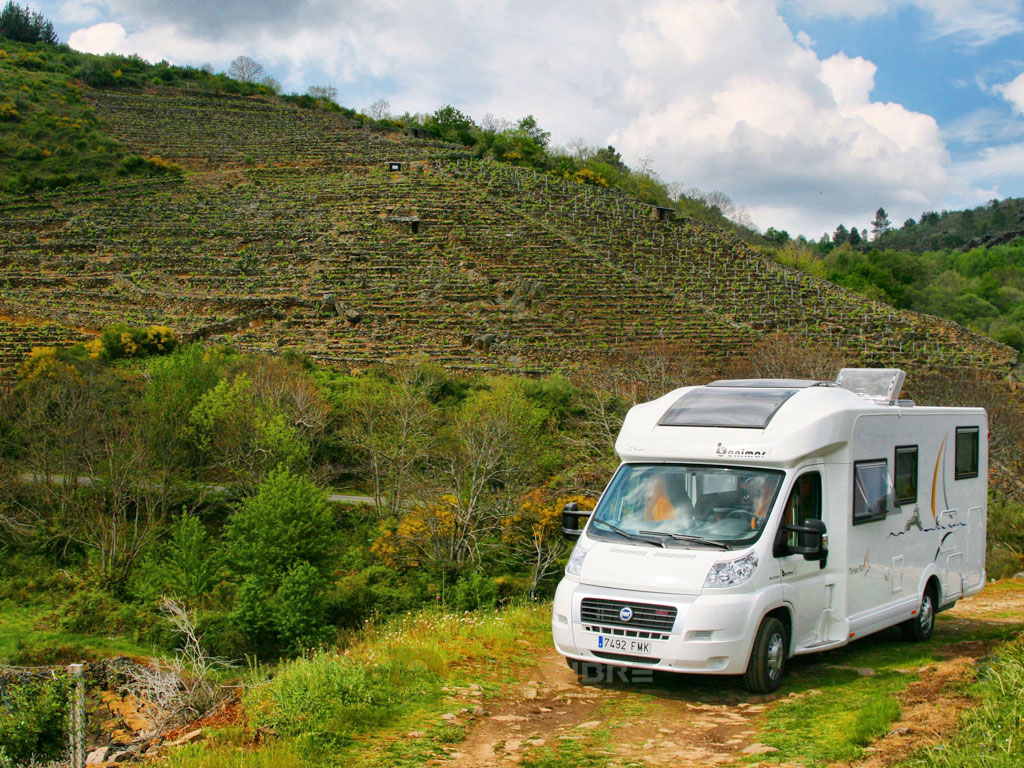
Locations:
(291, 230)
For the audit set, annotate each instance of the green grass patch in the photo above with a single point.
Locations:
(837, 710)
(26, 638)
(990, 735)
(356, 707)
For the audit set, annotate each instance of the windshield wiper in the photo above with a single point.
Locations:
(684, 537)
(628, 535)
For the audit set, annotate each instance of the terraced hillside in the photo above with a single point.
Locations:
(293, 230)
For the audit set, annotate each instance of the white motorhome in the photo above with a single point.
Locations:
(753, 520)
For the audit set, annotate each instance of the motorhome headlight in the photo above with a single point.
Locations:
(579, 554)
(731, 573)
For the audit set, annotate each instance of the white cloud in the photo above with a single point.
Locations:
(1013, 92)
(108, 37)
(760, 116)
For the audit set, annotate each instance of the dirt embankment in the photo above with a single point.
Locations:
(668, 720)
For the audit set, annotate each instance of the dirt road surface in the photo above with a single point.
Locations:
(669, 720)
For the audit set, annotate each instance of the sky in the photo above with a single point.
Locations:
(806, 113)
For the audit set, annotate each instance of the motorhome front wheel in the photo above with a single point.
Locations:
(768, 657)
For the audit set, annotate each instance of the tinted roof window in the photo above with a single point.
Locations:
(723, 407)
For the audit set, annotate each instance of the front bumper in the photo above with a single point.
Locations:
(711, 634)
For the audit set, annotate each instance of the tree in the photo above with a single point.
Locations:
(452, 125)
(392, 426)
(26, 26)
(288, 521)
(272, 83)
(854, 237)
(493, 441)
(324, 92)
(95, 485)
(881, 224)
(528, 125)
(841, 235)
(379, 110)
(245, 69)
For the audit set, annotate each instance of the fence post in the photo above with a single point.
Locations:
(77, 716)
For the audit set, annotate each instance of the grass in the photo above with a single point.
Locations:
(355, 707)
(26, 640)
(837, 711)
(991, 734)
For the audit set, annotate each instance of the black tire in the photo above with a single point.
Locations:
(768, 657)
(920, 628)
(575, 665)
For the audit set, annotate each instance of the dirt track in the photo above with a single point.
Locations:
(683, 721)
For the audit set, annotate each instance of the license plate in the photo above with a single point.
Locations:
(623, 644)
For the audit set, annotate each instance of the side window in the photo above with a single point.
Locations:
(904, 475)
(804, 503)
(966, 452)
(870, 490)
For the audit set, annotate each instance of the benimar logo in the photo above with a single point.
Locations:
(741, 453)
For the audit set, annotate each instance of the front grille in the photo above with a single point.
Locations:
(645, 616)
(640, 634)
(626, 657)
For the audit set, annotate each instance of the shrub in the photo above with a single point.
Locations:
(148, 166)
(326, 699)
(299, 608)
(474, 590)
(33, 720)
(186, 565)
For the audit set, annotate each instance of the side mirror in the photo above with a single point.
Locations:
(571, 515)
(816, 549)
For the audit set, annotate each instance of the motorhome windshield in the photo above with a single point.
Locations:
(686, 505)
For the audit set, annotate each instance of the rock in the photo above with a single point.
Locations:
(479, 711)
(759, 749)
(508, 718)
(353, 316)
(97, 756)
(589, 725)
(451, 717)
(328, 305)
(415, 735)
(483, 341)
(530, 693)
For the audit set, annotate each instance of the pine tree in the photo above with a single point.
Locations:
(881, 224)
(26, 26)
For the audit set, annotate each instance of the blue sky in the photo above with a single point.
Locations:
(807, 113)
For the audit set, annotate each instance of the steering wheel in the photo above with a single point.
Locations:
(741, 514)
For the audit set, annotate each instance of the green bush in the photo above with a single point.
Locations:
(33, 721)
(300, 607)
(474, 590)
(186, 565)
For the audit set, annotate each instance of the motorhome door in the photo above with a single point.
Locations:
(806, 584)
